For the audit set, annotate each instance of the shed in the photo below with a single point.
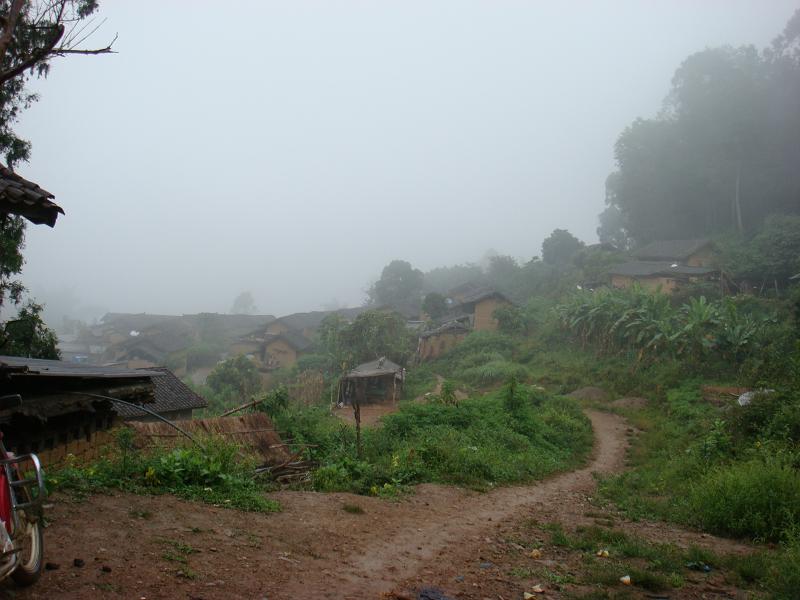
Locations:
(377, 380)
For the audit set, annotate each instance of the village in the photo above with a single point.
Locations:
(438, 378)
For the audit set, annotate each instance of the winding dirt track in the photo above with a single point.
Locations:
(389, 562)
(163, 547)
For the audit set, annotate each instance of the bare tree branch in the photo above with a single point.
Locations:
(38, 55)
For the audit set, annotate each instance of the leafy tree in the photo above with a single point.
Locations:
(560, 247)
(722, 154)
(771, 255)
(374, 334)
(244, 304)
(399, 283)
(435, 305)
(235, 379)
(27, 335)
(444, 279)
(612, 228)
(32, 32)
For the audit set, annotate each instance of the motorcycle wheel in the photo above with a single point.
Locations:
(29, 568)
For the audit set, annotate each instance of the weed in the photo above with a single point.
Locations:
(353, 509)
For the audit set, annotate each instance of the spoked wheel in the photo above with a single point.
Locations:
(31, 541)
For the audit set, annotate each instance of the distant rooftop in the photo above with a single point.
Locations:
(670, 249)
(642, 268)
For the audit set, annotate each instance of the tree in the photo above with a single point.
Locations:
(374, 334)
(27, 335)
(399, 283)
(32, 32)
(234, 379)
(722, 154)
(434, 305)
(244, 304)
(560, 247)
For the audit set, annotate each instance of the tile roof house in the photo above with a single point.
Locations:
(62, 408)
(667, 265)
(174, 400)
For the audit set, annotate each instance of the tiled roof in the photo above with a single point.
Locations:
(642, 268)
(670, 249)
(296, 340)
(171, 395)
(18, 196)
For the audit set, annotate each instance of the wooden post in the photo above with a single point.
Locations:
(359, 392)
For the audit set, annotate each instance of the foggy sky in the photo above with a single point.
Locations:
(295, 148)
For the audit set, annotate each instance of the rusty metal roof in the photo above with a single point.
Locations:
(18, 196)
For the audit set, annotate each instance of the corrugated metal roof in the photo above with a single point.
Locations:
(171, 394)
(18, 196)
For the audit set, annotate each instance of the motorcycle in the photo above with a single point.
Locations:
(22, 494)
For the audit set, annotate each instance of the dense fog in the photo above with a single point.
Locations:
(294, 149)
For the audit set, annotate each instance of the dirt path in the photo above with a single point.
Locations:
(156, 548)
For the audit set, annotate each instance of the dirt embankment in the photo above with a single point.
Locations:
(163, 547)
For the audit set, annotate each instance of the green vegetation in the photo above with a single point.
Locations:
(217, 474)
(725, 332)
(511, 435)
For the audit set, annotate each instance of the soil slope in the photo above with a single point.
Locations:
(457, 540)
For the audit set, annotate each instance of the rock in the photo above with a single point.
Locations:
(105, 569)
(78, 562)
(486, 565)
(459, 578)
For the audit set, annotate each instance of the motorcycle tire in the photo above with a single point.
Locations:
(31, 560)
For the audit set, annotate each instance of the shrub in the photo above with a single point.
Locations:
(757, 498)
(216, 473)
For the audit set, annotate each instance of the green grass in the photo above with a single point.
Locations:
(479, 443)
(216, 474)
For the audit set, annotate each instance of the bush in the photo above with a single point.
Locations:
(216, 473)
(757, 498)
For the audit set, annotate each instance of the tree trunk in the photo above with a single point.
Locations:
(737, 205)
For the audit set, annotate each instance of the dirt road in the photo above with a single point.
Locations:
(457, 540)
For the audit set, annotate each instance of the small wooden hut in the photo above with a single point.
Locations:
(374, 381)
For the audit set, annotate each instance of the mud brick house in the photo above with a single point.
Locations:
(471, 308)
(667, 265)
(61, 409)
(284, 340)
(432, 344)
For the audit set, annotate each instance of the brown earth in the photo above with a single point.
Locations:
(460, 541)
